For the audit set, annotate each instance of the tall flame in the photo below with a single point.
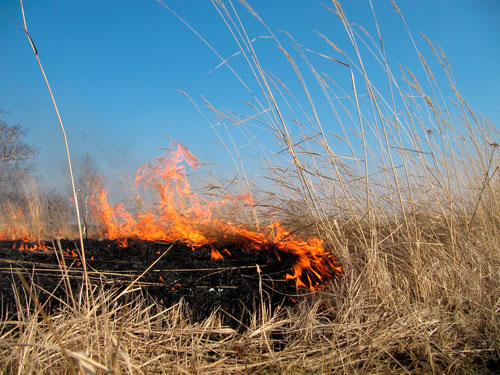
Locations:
(178, 215)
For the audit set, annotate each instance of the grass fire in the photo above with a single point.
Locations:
(176, 214)
(339, 213)
(194, 253)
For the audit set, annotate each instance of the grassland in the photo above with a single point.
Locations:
(411, 207)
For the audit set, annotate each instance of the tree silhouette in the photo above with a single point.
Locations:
(15, 157)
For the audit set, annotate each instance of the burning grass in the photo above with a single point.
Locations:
(406, 194)
(176, 214)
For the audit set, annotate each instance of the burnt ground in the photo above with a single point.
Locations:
(232, 285)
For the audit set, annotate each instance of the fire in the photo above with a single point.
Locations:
(17, 228)
(26, 245)
(177, 214)
(216, 255)
(24, 231)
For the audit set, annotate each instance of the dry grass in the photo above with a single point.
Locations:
(35, 214)
(403, 188)
(435, 312)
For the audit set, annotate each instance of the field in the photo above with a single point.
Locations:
(405, 196)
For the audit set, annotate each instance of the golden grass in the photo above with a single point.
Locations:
(432, 311)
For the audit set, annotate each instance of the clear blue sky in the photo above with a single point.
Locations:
(115, 68)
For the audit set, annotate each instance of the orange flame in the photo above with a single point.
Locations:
(216, 255)
(178, 215)
(17, 227)
(30, 246)
(25, 234)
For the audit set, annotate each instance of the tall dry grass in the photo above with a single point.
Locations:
(34, 213)
(403, 188)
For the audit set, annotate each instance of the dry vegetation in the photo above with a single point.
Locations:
(410, 206)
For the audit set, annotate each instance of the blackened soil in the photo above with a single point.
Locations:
(236, 285)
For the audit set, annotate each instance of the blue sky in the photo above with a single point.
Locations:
(116, 67)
